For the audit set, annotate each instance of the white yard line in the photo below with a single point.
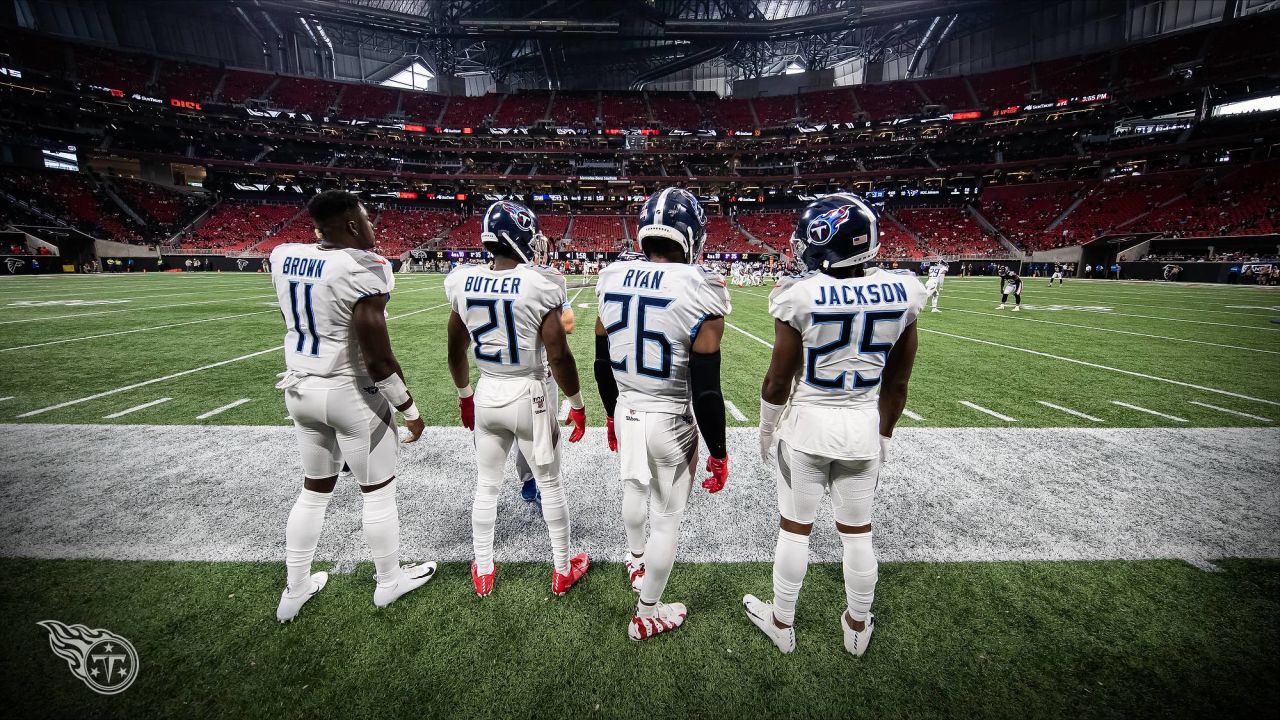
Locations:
(734, 411)
(135, 330)
(911, 415)
(988, 411)
(1228, 410)
(184, 373)
(6, 397)
(136, 408)
(189, 291)
(134, 309)
(1119, 314)
(1069, 411)
(224, 408)
(753, 337)
(1149, 411)
(1024, 318)
(1086, 363)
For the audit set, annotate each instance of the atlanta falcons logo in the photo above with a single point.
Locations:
(824, 227)
(522, 217)
(242, 263)
(105, 662)
(13, 264)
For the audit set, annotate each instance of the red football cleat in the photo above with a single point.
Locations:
(578, 565)
(665, 619)
(483, 583)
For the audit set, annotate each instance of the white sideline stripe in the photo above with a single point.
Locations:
(136, 408)
(1024, 318)
(974, 298)
(1211, 407)
(127, 332)
(1069, 411)
(1149, 411)
(184, 373)
(133, 309)
(129, 299)
(992, 413)
(744, 332)
(1086, 363)
(564, 411)
(911, 415)
(734, 411)
(6, 397)
(224, 408)
(144, 383)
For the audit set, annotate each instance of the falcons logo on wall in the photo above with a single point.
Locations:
(13, 264)
(105, 662)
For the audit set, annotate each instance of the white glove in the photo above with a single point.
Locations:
(769, 414)
(884, 449)
(767, 445)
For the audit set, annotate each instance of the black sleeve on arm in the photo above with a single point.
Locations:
(708, 403)
(605, 381)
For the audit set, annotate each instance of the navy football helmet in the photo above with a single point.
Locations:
(839, 230)
(674, 214)
(510, 225)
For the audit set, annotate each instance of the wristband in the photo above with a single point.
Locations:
(575, 401)
(465, 392)
(393, 389)
(411, 413)
(769, 414)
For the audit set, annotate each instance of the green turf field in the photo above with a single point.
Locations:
(1090, 638)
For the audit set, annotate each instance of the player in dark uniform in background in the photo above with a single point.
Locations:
(1010, 284)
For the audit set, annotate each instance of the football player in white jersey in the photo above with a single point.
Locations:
(342, 388)
(1010, 284)
(658, 369)
(506, 314)
(840, 332)
(937, 275)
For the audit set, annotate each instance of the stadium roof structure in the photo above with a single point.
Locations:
(594, 44)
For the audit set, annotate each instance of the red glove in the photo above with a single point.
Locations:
(467, 406)
(719, 469)
(578, 419)
(613, 439)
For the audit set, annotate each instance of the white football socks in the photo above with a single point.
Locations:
(659, 555)
(635, 510)
(555, 511)
(382, 531)
(484, 515)
(790, 563)
(860, 573)
(301, 535)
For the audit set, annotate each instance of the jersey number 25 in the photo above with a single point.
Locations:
(866, 346)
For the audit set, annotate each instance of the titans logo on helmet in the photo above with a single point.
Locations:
(824, 227)
(521, 215)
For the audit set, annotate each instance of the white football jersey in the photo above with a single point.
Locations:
(504, 310)
(937, 271)
(848, 328)
(318, 290)
(652, 312)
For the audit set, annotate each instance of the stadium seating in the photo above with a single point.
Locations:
(888, 100)
(676, 110)
(465, 111)
(624, 110)
(124, 71)
(235, 226)
(553, 226)
(1244, 202)
(722, 236)
(949, 92)
(367, 101)
(187, 81)
(1073, 76)
(826, 106)
(168, 209)
(575, 109)
(1002, 88)
(72, 197)
(726, 113)
(465, 234)
(241, 85)
(1121, 199)
(522, 109)
(949, 231)
(595, 233)
(773, 111)
(771, 228)
(305, 95)
(1024, 212)
(423, 108)
(896, 243)
(401, 229)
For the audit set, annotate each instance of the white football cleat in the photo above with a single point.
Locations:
(635, 571)
(1016, 308)
(290, 605)
(1000, 306)
(411, 578)
(856, 641)
(936, 310)
(761, 615)
(665, 619)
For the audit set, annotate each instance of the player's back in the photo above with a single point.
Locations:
(318, 289)
(503, 310)
(848, 326)
(652, 312)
